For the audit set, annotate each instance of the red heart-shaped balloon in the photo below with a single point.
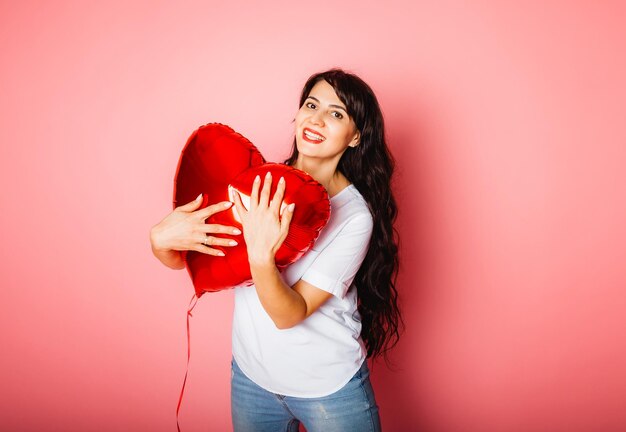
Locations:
(215, 161)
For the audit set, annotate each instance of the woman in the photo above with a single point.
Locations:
(301, 338)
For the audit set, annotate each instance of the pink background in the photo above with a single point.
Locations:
(508, 124)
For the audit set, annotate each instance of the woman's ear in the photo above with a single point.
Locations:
(356, 140)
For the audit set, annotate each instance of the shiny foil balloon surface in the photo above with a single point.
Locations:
(215, 162)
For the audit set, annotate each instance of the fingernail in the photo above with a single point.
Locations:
(236, 231)
(282, 180)
(268, 175)
(291, 206)
(257, 179)
(199, 196)
(221, 253)
(228, 204)
(232, 243)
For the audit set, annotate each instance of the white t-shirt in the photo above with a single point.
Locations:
(319, 355)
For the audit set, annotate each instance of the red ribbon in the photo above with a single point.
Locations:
(192, 304)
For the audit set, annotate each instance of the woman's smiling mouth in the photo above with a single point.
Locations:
(312, 136)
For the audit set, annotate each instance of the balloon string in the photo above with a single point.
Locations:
(192, 304)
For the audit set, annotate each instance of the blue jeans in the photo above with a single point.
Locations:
(350, 409)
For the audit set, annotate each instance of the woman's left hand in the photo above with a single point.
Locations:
(264, 226)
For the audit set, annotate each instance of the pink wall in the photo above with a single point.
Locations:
(508, 125)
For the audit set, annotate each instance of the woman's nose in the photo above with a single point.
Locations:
(317, 118)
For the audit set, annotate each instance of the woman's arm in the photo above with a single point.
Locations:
(286, 306)
(265, 230)
(171, 258)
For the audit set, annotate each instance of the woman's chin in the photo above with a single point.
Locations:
(306, 149)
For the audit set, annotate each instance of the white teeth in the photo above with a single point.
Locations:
(313, 136)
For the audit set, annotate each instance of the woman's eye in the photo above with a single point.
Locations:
(310, 105)
(337, 115)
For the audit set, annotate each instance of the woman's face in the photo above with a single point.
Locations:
(323, 127)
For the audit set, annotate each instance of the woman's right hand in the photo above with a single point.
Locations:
(184, 229)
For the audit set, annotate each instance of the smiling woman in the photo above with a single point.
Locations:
(368, 166)
(301, 337)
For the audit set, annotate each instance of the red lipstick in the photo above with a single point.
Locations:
(309, 135)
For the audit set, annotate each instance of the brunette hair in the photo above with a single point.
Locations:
(369, 166)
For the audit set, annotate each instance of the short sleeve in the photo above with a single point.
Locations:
(334, 268)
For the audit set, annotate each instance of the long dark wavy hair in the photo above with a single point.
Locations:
(369, 166)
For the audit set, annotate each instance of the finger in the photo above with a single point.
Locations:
(241, 210)
(207, 250)
(212, 209)
(265, 192)
(219, 229)
(217, 241)
(278, 196)
(254, 195)
(285, 218)
(190, 206)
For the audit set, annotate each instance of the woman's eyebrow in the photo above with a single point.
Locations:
(331, 105)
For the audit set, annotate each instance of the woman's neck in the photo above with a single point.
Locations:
(326, 174)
